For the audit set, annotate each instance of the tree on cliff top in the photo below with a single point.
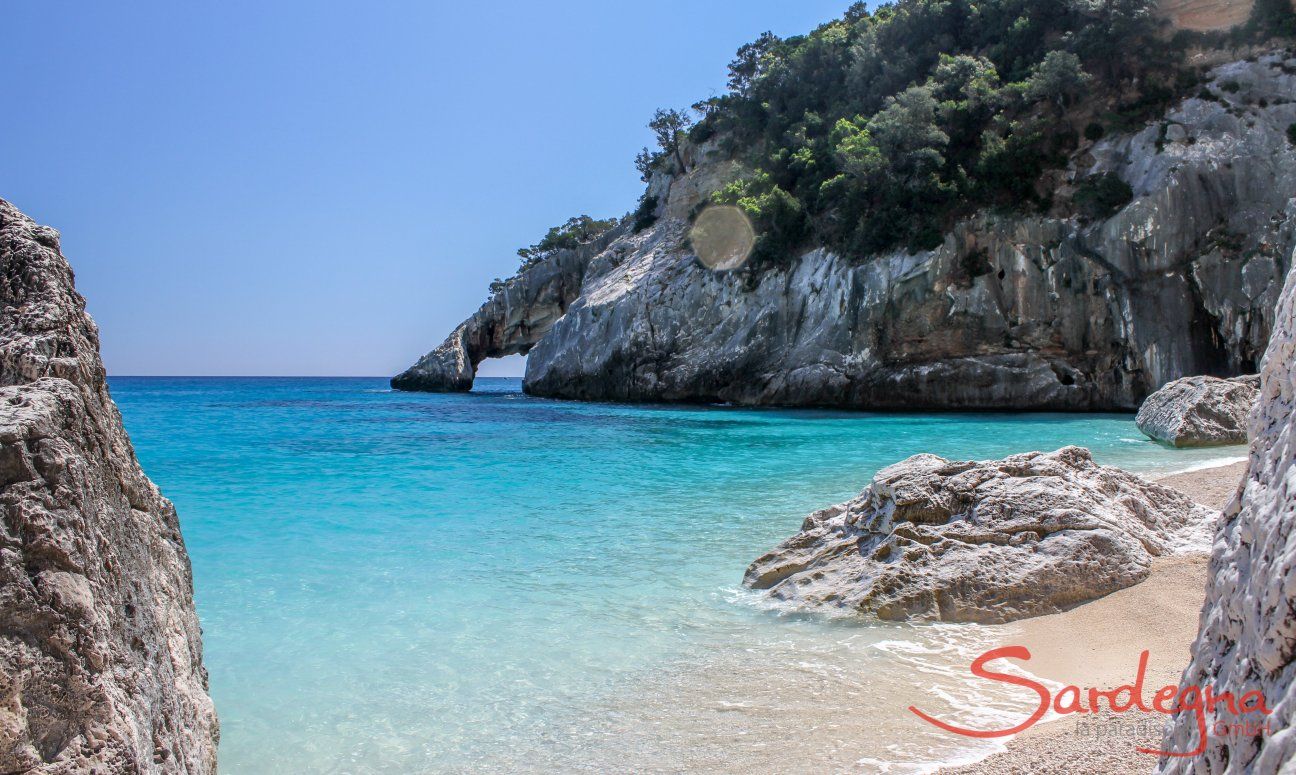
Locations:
(751, 62)
(1058, 78)
(1273, 17)
(670, 127)
(574, 232)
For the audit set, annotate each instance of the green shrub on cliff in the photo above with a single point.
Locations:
(881, 128)
(775, 214)
(1273, 17)
(1100, 196)
(574, 232)
(645, 214)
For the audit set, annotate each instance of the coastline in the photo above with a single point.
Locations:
(1098, 645)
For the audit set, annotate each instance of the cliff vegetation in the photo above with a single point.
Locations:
(882, 129)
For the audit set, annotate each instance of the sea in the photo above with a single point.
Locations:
(491, 582)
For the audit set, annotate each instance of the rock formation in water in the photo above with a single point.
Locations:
(1023, 311)
(985, 541)
(1200, 411)
(100, 649)
(509, 323)
(1247, 640)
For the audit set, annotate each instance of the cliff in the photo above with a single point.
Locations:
(100, 648)
(1247, 640)
(1011, 311)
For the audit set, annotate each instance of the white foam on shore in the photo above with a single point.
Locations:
(936, 658)
(1201, 465)
(796, 693)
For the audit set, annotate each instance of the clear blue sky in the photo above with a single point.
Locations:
(327, 188)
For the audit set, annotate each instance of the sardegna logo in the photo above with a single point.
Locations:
(1168, 700)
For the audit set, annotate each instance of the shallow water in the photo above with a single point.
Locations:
(395, 582)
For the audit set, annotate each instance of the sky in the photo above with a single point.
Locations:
(326, 188)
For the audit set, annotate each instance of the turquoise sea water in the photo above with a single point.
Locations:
(395, 582)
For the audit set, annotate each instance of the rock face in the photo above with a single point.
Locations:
(100, 651)
(1023, 312)
(1247, 640)
(982, 542)
(1200, 411)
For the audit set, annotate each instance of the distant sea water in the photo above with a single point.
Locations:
(395, 583)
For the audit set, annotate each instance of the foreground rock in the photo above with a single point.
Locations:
(100, 650)
(1012, 311)
(987, 541)
(1200, 411)
(1248, 625)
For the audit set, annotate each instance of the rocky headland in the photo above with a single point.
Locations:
(100, 648)
(1010, 311)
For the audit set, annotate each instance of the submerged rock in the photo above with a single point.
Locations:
(1200, 411)
(100, 649)
(1247, 641)
(1022, 311)
(988, 541)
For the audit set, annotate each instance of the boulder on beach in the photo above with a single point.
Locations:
(1200, 411)
(989, 541)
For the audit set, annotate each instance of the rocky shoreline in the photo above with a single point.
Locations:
(1247, 640)
(1178, 288)
(100, 620)
(1243, 642)
(1062, 207)
(935, 539)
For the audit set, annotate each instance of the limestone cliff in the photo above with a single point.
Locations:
(1247, 640)
(1028, 312)
(100, 649)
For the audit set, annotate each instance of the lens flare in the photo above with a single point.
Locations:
(722, 237)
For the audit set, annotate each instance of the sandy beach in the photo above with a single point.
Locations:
(1099, 644)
